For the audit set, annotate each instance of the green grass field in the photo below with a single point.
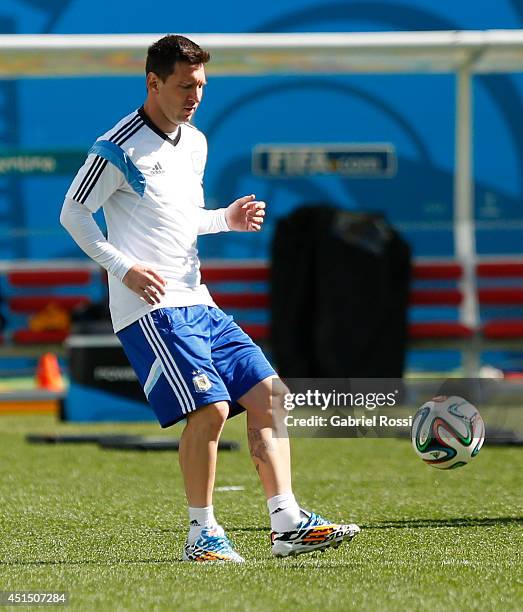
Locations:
(108, 527)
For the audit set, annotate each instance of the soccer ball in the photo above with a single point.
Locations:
(447, 432)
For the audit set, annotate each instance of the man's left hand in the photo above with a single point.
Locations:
(245, 214)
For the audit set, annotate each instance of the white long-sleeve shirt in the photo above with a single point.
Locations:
(150, 188)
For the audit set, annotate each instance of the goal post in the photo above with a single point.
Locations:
(48, 55)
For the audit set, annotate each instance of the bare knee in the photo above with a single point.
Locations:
(266, 401)
(208, 421)
(279, 393)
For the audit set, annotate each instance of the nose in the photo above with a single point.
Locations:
(195, 96)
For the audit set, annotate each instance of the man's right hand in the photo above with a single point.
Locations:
(146, 283)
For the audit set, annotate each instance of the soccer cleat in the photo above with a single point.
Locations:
(211, 545)
(313, 533)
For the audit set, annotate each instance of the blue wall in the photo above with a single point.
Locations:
(414, 113)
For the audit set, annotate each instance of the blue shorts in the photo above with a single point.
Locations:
(188, 357)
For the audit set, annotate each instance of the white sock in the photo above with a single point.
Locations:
(198, 519)
(284, 512)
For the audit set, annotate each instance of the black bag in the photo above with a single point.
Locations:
(339, 294)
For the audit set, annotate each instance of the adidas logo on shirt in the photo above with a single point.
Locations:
(157, 169)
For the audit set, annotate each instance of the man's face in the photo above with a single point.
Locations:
(181, 93)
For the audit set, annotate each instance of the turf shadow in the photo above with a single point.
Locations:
(183, 530)
(446, 522)
(89, 562)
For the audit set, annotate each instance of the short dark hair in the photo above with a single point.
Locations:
(164, 53)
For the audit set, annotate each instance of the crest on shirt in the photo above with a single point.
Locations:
(201, 382)
(198, 161)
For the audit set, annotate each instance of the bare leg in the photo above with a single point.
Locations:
(268, 442)
(199, 450)
(270, 452)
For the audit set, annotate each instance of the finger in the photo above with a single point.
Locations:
(258, 220)
(151, 296)
(156, 284)
(252, 210)
(147, 298)
(255, 219)
(255, 212)
(254, 206)
(255, 227)
(156, 276)
(152, 290)
(245, 200)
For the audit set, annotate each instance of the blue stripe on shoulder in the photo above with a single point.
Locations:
(119, 158)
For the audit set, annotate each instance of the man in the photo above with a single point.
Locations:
(192, 360)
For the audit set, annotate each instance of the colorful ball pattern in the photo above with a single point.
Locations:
(447, 432)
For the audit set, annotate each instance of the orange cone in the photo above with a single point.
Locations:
(48, 375)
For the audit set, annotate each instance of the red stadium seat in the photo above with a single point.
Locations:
(432, 330)
(493, 295)
(24, 296)
(507, 296)
(241, 300)
(26, 336)
(437, 271)
(257, 331)
(507, 269)
(215, 273)
(438, 329)
(435, 297)
(503, 330)
(39, 302)
(48, 278)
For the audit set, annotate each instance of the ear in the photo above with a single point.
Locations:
(152, 82)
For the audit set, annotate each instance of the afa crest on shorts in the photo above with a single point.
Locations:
(201, 382)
